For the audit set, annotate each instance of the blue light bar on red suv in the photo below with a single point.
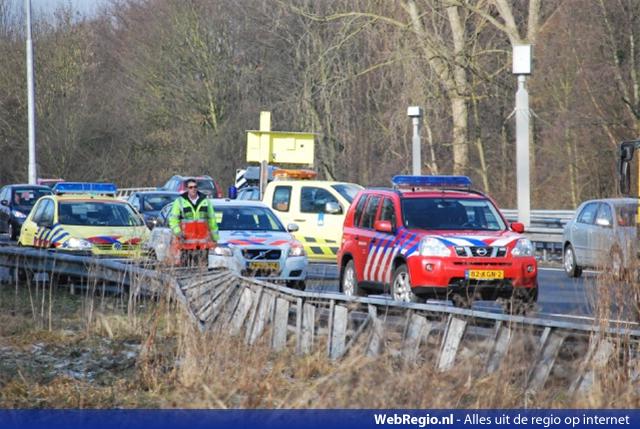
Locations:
(85, 188)
(430, 182)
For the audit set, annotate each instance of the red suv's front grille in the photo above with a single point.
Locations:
(482, 263)
(481, 251)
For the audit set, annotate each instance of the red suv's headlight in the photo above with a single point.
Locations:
(523, 247)
(431, 246)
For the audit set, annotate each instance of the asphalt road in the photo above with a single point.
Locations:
(559, 296)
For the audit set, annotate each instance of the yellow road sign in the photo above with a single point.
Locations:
(282, 147)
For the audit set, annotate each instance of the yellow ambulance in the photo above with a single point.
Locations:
(85, 218)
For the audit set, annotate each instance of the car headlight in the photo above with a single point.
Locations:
(222, 251)
(77, 244)
(430, 246)
(523, 247)
(296, 249)
(18, 214)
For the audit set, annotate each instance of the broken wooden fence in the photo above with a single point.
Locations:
(309, 321)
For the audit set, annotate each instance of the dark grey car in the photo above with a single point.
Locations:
(16, 201)
(149, 204)
(602, 234)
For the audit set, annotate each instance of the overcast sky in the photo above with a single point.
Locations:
(85, 7)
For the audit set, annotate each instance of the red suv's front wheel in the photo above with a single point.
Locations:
(401, 287)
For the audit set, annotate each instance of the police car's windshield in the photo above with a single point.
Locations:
(451, 214)
(97, 214)
(347, 191)
(234, 218)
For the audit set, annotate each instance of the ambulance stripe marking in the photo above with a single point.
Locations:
(399, 239)
(373, 248)
(40, 233)
(54, 234)
(408, 240)
(395, 241)
(334, 250)
(39, 238)
(455, 241)
(383, 263)
(366, 265)
(376, 259)
(395, 253)
(475, 241)
(412, 249)
(484, 238)
(414, 246)
(408, 244)
(103, 239)
(452, 242)
(47, 234)
(60, 236)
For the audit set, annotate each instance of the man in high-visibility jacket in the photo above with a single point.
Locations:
(192, 206)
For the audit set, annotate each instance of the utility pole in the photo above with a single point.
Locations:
(522, 68)
(31, 98)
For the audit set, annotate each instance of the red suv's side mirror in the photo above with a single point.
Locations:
(517, 227)
(383, 226)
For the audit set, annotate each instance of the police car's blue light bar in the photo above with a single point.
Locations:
(455, 182)
(85, 188)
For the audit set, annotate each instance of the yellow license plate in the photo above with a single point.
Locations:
(485, 274)
(270, 266)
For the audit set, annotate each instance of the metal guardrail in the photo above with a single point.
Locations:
(547, 217)
(55, 263)
(220, 300)
(124, 193)
(259, 311)
(545, 229)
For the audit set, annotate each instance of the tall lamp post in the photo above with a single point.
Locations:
(522, 68)
(415, 113)
(31, 98)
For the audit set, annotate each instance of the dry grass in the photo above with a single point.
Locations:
(101, 353)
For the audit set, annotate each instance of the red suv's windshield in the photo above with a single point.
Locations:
(451, 214)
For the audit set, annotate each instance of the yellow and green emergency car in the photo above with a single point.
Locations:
(317, 207)
(85, 217)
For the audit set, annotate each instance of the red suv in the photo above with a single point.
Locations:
(434, 237)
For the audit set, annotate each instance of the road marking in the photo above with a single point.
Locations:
(589, 318)
(562, 269)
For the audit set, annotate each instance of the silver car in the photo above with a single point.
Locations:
(602, 234)
(252, 243)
